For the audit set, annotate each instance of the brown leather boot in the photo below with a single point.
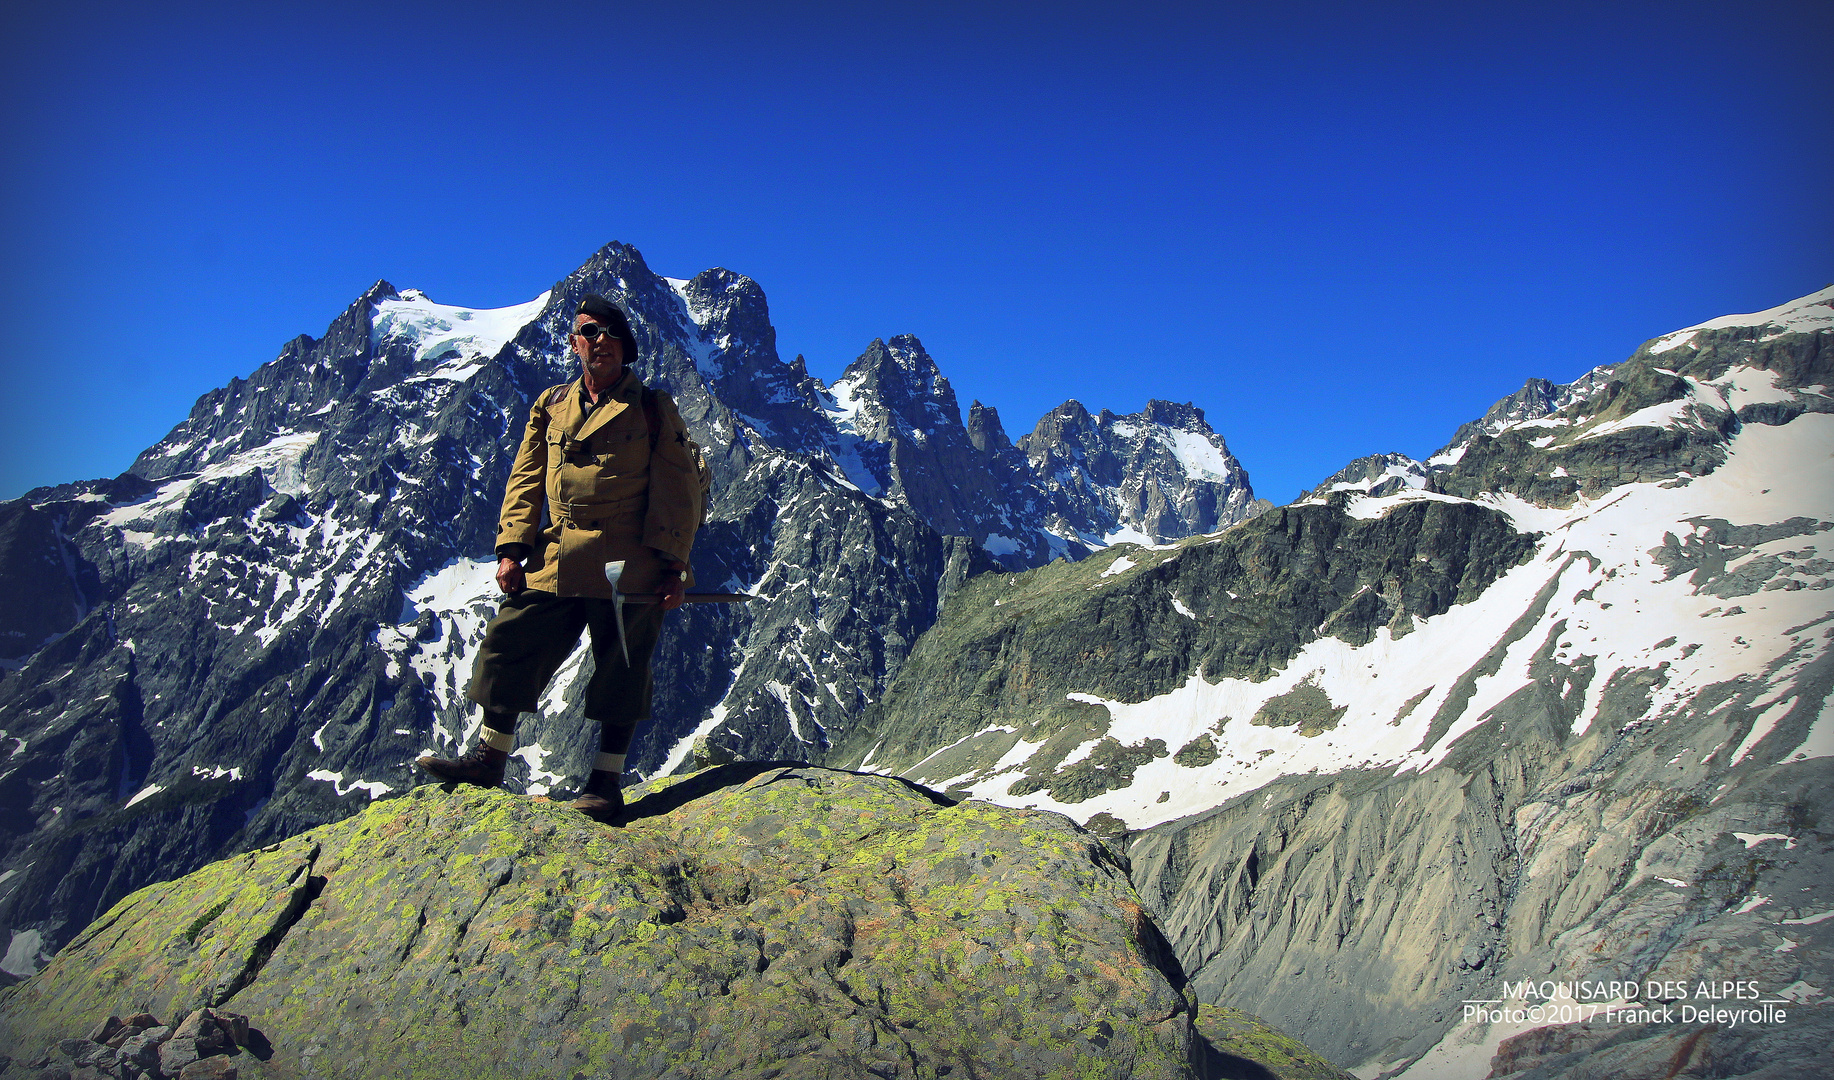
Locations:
(601, 800)
(483, 766)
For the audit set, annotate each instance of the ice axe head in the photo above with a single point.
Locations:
(614, 571)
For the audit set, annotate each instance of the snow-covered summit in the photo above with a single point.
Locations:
(1809, 314)
(439, 331)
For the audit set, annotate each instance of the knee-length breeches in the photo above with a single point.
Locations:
(533, 634)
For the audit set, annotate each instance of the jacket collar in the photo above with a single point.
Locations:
(623, 392)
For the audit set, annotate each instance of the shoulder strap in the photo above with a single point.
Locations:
(553, 395)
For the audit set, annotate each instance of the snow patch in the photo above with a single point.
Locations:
(1197, 455)
(997, 545)
(24, 953)
(278, 459)
(1674, 341)
(535, 756)
(1761, 727)
(1820, 741)
(1746, 385)
(1754, 839)
(375, 789)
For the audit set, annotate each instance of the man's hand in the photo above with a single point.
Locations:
(509, 576)
(674, 586)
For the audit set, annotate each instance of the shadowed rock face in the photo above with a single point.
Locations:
(1244, 1045)
(750, 918)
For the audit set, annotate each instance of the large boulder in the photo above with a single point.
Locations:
(749, 921)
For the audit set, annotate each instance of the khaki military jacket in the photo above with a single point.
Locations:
(607, 495)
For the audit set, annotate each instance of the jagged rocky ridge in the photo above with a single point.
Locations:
(749, 921)
(258, 627)
(1551, 705)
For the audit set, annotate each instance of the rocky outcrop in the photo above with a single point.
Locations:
(1251, 1047)
(203, 1044)
(1160, 472)
(749, 921)
(1376, 475)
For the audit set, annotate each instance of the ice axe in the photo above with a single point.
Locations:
(615, 570)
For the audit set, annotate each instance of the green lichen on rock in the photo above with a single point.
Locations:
(750, 921)
(1197, 753)
(1109, 766)
(1306, 707)
(1236, 1034)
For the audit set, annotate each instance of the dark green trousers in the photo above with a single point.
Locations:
(534, 633)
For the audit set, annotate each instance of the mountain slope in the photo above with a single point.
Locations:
(1556, 709)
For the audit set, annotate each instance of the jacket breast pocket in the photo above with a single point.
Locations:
(621, 452)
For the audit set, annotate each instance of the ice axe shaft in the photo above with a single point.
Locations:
(693, 598)
(615, 571)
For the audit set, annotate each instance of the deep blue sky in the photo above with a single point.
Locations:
(1337, 228)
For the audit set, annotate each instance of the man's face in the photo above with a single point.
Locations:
(601, 358)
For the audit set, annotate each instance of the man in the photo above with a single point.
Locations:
(610, 461)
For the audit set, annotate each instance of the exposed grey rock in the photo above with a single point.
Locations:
(178, 1052)
(1161, 472)
(218, 1067)
(105, 1029)
(143, 1050)
(1375, 475)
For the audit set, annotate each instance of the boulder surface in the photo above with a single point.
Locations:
(750, 920)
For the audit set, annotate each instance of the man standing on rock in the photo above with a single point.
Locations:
(610, 460)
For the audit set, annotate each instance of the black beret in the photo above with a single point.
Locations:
(603, 312)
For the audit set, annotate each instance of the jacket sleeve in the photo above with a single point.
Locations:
(523, 496)
(675, 497)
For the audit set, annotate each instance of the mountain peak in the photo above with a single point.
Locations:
(1185, 416)
(985, 430)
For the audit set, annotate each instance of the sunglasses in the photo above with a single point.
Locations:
(591, 331)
